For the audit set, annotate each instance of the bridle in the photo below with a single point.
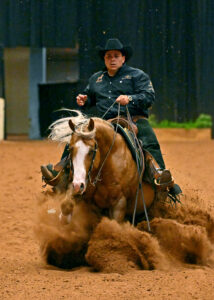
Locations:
(97, 178)
(92, 163)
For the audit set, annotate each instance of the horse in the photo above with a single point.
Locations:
(103, 169)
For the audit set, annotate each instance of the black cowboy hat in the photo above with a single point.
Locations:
(115, 44)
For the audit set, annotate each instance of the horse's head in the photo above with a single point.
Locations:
(84, 155)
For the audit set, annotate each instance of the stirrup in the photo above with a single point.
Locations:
(164, 181)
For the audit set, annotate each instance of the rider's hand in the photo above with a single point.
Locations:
(123, 99)
(81, 99)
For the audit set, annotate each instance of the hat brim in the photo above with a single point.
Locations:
(126, 50)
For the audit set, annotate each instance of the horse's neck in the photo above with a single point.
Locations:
(105, 136)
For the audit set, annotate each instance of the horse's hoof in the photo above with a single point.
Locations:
(67, 207)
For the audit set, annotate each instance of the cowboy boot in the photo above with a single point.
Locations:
(161, 179)
(58, 177)
(48, 174)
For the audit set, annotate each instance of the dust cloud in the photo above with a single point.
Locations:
(63, 242)
(181, 236)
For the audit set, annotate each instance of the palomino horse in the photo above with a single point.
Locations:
(104, 171)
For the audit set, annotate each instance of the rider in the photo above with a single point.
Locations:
(130, 87)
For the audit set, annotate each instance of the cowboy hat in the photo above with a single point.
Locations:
(115, 44)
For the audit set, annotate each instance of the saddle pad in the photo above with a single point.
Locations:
(130, 141)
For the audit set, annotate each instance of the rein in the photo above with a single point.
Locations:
(140, 169)
(92, 163)
(97, 178)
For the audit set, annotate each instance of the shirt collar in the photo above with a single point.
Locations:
(119, 72)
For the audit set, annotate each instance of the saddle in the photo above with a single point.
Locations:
(129, 131)
(147, 162)
(122, 121)
(129, 138)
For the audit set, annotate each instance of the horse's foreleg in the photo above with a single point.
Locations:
(66, 211)
(118, 211)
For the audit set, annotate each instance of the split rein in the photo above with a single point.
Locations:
(140, 166)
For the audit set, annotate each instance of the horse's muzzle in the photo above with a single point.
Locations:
(78, 188)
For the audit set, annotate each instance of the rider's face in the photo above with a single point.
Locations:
(113, 61)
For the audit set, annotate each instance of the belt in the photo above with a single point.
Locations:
(136, 118)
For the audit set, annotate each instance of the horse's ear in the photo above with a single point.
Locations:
(71, 124)
(91, 125)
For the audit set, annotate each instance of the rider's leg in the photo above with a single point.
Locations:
(49, 173)
(155, 168)
(149, 140)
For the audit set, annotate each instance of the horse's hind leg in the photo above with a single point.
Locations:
(118, 211)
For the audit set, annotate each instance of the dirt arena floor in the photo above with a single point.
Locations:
(25, 275)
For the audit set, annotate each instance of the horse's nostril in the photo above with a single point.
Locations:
(78, 187)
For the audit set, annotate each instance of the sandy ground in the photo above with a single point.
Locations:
(23, 273)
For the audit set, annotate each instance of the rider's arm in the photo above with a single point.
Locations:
(144, 94)
(91, 99)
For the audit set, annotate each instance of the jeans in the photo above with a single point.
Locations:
(149, 141)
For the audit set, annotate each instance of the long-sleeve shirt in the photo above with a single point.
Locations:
(102, 91)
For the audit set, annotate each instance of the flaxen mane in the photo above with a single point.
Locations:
(61, 131)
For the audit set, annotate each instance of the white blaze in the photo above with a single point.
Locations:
(78, 163)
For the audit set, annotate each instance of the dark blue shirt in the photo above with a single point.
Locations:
(103, 90)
